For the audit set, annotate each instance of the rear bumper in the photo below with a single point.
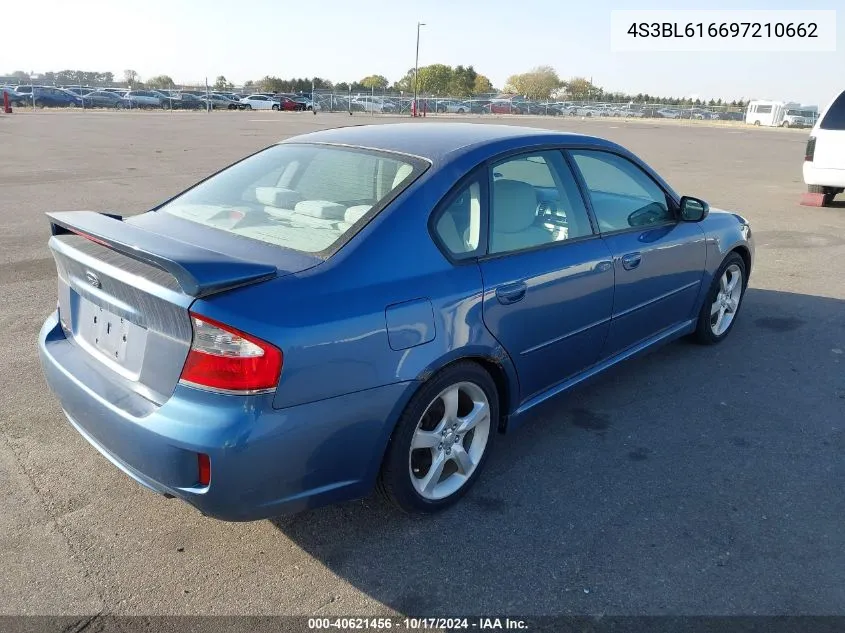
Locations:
(824, 177)
(264, 461)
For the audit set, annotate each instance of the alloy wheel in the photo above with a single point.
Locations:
(449, 441)
(724, 307)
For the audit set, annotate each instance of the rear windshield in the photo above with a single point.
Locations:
(835, 117)
(309, 198)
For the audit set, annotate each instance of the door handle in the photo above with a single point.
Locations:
(631, 260)
(511, 293)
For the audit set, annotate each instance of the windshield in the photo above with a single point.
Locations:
(302, 197)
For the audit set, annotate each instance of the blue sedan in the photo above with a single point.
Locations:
(372, 306)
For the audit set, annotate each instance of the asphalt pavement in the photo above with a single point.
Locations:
(695, 480)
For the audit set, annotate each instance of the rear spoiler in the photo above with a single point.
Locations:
(198, 271)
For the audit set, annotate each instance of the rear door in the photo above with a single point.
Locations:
(658, 260)
(830, 137)
(548, 278)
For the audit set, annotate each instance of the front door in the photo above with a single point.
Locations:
(658, 260)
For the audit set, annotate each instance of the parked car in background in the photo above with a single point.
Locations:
(586, 111)
(796, 117)
(477, 106)
(78, 90)
(308, 103)
(501, 106)
(104, 99)
(189, 102)
(44, 96)
(632, 111)
(260, 102)
(824, 157)
(221, 102)
(668, 113)
(145, 99)
(369, 103)
(291, 103)
(450, 106)
(285, 352)
(15, 98)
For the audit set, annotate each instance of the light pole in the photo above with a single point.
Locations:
(417, 66)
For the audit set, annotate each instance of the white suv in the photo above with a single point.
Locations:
(824, 160)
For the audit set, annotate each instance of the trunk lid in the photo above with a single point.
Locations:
(124, 292)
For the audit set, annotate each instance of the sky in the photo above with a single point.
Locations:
(345, 40)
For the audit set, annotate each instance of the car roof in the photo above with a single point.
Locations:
(436, 141)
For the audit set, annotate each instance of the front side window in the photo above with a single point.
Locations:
(623, 196)
(534, 201)
(299, 196)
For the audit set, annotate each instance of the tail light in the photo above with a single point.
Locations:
(224, 359)
(811, 149)
(203, 469)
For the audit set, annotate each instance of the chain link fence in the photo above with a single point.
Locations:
(373, 102)
(394, 103)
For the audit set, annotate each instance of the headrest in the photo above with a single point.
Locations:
(353, 214)
(514, 206)
(277, 197)
(322, 209)
(403, 172)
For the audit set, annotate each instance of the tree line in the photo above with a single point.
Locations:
(438, 80)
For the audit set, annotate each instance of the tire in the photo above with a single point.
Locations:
(785, 124)
(165, 105)
(757, 123)
(275, 107)
(247, 107)
(407, 475)
(707, 332)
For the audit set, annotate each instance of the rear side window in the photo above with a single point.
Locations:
(834, 119)
(300, 196)
(458, 225)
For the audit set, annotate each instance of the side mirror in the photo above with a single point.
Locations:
(693, 209)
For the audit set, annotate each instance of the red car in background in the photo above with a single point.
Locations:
(506, 106)
(287, 103)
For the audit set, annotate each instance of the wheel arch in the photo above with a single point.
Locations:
(743, 251)
(507, 392)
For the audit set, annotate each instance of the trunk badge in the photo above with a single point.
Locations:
(93, 279)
